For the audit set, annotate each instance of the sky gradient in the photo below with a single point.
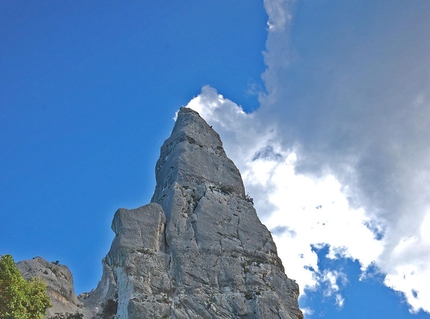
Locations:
(323, 106)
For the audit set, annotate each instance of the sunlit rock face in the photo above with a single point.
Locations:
(202, 252)
(198, 250)
(135, 282)
(223, 260)
(59, 284)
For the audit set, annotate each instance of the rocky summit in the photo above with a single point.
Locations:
(198, 250)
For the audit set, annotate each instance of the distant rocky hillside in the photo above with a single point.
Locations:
(198, 250)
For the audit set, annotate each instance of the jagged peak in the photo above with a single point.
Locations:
(193, 154)
(190, 122)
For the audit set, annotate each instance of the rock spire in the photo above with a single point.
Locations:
(198, 250)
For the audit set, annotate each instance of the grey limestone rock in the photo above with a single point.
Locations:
(135, 269)
(198, 250)
(224, 262)
(59, 282)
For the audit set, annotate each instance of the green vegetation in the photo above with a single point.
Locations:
(226, 189)
(249, 199)
(109, 309)
(19, 298)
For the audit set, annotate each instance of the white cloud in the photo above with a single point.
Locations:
(339, 300)
(279, 18)
(302, 211)
(307, 312)
(425, 229)
(345, 160)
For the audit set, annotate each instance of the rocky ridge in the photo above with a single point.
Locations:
(198, 250)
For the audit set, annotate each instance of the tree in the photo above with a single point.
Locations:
(19, 298)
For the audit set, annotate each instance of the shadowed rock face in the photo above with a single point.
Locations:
(198, 250)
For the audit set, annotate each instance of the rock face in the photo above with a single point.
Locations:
(198, 250)
(135, 271)
(59, 282)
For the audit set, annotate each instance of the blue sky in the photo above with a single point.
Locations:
(323, 105)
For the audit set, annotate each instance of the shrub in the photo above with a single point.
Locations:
(110, 308)
(20, 298)
(226, 189)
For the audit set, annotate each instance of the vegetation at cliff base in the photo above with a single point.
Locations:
(19, 298)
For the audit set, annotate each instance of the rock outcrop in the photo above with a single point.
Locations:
(198, 250)
(59, 282)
